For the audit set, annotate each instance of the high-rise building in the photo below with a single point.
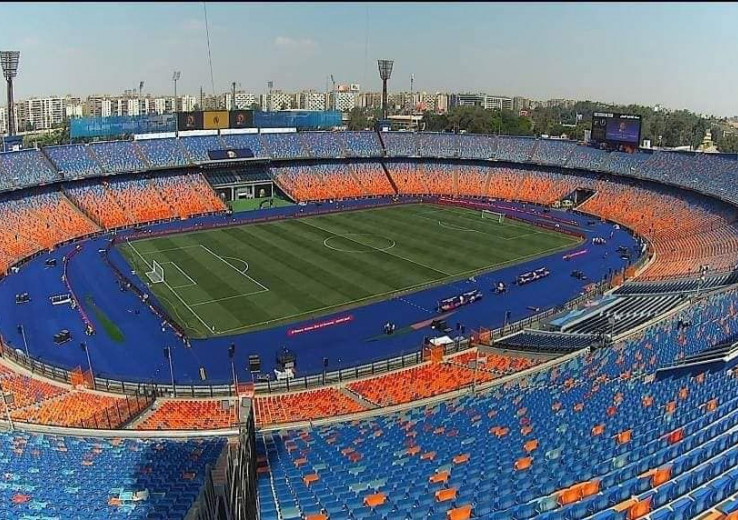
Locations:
(467, 100)
(520, 103)
(311, 100)
(244, 100)
(279, 100)
(498, 103)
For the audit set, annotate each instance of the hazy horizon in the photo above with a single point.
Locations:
(668, 54)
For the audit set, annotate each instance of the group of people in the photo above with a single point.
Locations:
(389, 328)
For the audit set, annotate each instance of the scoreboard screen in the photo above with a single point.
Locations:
(616, 129)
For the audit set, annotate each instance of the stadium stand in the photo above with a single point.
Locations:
(197, 147)
(81, 409)
(25, 168)
(439, 145)
(546, 342)
(73, 161)
(102, 479)
(121, 202)
(283, 146)
(596, 435)
(117, 156)
(434, 379)
(242, 142)
(322, 144)
(360, 144)
(474, 146)
(587, 158)
(161, 153)
(372, 178)
(627, 313)
(685, 232)
(401, 144)
(188, 195)
(678, 286)
(37, 222)
(472, 181)
(407, 177)
(295, 407)
(190, 415)
(553, 151)
(516, 149)
(332, 180)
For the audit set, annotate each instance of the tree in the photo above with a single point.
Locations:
(727, 143)
(357, 119)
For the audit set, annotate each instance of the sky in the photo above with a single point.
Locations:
(679, 55)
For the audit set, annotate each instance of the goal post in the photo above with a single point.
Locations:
(156, 275)
(487, 214)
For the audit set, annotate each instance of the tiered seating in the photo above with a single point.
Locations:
(360, 144)
(685, 233)
(553, 151)
(434, 379)
(283, 146)
(97, 201)
(73, 161)
(625, 163)
(295, 407)
(38, 222)
(190, 415)
(317, 182)
(671, 167)
(140, 199)
(407, 178)
(117, 156)
(439, 145)
(101, 479)
(472, 180)
(478, 146)
(517, 149)
(587, 158)
(547, 342)
(161, 153)
(80, 410)
(401, 144)
(372, 178)
(439, 177)
(243, 141)
(628, 313)
(322, 144)
(25, 168)
(197, 147)
(596, 435)
(188, 195)
(26, 390)
(530, 186)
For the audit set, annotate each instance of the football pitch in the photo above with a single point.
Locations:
(231, 280)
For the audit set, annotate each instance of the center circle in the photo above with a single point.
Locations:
(358, 243)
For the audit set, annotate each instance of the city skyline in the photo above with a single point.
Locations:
(604, 52)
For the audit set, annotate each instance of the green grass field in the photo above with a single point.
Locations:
(251, 204)
(253, 276)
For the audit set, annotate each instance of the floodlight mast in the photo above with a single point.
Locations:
(175, 77)
(385, 71)
(9, 61)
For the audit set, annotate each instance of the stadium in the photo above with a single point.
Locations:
(242, 315)
(609, 394)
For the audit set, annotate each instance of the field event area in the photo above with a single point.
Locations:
(227, 281)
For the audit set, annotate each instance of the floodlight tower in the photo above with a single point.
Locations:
(385, 71)
(9, 61)
(175, 78)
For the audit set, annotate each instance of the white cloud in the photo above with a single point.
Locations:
(285, 42)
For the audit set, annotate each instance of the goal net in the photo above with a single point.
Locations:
(487, 214)
(156, 275)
